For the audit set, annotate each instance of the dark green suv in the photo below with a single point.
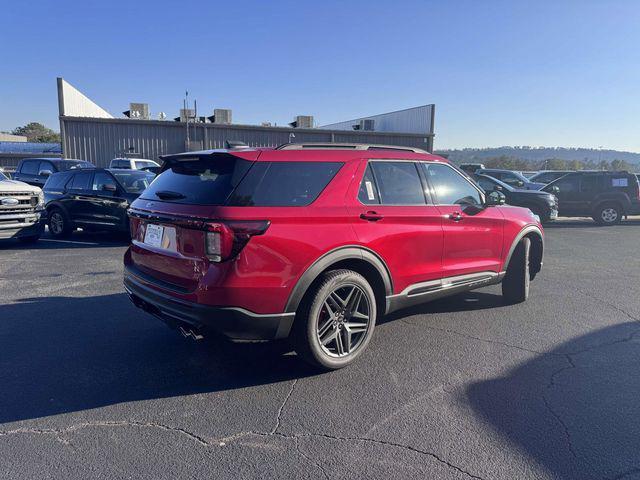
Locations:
(605, 196)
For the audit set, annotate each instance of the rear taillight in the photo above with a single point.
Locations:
(224, 240)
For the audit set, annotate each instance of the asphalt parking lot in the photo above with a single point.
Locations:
(465, 387)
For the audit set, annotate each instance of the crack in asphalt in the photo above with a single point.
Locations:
(310, 460)
(72, 428)
(606, 302)
(284, 403)
(57, 432)
(471, 337)
(556, 415)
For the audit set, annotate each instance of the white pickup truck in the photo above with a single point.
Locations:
(22, 213)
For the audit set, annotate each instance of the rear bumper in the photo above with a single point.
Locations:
(24, 225)
(233, 322)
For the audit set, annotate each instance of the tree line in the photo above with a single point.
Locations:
(515, 163)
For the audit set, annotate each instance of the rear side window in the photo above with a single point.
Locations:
(30, 167)
(199, 180)
(368, 194)
(590, 183)
(57, 181)
(283, 184)
(399, 183)
(81, 181)
(621, 182)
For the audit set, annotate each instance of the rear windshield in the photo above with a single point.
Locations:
(68, 165)
(134, 181)
(228, 180)
(199, 180)
(145, 163)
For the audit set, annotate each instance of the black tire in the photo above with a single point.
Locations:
(515, 284)
(341, 329)
(59, 224)
(609, 213)
(30, 239)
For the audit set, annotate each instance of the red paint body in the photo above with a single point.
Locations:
(416, 243)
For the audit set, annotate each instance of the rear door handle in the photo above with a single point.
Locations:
(371, 216)
(455, 216)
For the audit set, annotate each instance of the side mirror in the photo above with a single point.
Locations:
(110, 187)
(495, 198)
(45, 173)
(555, 189)
(520, 183)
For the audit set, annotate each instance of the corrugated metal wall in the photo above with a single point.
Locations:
(418, 120)
(100, 140)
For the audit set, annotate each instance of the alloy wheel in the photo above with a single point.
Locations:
(344, 320)
(609, 215)
(56, 223)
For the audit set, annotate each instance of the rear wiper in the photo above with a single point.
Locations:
(169, 195)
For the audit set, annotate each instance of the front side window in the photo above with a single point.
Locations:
(283, 184)
(565, 184)
(450, 187)
(368, 193)
(30, 167)
(100, 179)
(81, 181)
(399, 183)
(486, 184)
(46, 166)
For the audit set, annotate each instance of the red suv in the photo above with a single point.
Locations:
(315, 242)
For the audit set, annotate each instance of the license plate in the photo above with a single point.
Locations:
(153, 235)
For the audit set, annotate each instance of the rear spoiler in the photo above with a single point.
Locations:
(244, 154)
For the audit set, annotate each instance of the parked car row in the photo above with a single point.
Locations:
(605, 196)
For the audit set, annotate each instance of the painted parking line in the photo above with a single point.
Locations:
(67, 241)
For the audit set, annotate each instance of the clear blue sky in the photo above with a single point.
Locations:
(557, 73)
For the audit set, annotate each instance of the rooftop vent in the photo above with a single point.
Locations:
(365, 124)
(303, 121)
(221, 116)
(186, 113)
(138, 111)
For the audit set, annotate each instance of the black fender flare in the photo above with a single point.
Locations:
(349, 252)
(524, 232)
(60, 207)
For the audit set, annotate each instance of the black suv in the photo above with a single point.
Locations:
(35, 171)
(93, 199)
(604, 196)
(543, 204)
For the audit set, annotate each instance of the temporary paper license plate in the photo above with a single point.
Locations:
(153, 235)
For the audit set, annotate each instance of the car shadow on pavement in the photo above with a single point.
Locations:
(576, 409)
(67, 354)
(462, 302)
(77, 240)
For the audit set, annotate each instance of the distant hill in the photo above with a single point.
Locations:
(537, 155)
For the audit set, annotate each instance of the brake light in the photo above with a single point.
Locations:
(224, 240)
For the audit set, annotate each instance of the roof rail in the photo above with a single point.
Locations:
(347, 146)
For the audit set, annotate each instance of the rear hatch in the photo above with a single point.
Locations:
(170, 220)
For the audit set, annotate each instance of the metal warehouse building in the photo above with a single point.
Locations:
(91, 133)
